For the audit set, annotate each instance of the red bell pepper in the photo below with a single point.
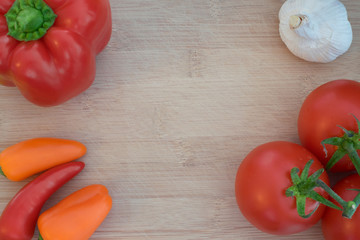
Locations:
(18, 220)
(48, 47)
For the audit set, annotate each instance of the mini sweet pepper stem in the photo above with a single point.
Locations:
(1, 172)
(40, 237)
(29, 20)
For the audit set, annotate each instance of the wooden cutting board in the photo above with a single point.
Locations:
(184, 90)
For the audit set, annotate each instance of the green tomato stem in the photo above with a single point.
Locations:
(331, 192)
(353, 155)
(351, 206)
(348, 144)
(304, 185)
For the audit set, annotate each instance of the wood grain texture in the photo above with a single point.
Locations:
(184, 90)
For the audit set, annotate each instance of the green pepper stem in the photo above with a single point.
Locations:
(29, 20)
(40, 237)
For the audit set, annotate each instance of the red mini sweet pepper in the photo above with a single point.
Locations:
(48, 47)
(18, 220)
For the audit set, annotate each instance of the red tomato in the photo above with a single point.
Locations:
(334, 225)
(261, 182)
(323, 111)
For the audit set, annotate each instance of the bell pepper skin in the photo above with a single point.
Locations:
(18, 220)
(32, 156)
(61, 64)
(77, 216)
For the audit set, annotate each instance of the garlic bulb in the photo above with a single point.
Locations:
(315, 30)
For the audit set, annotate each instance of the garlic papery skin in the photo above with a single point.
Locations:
(315, 30)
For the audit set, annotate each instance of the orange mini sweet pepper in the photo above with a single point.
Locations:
(77, 216)
(32, 156)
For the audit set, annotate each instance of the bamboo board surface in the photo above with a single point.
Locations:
(184, 90)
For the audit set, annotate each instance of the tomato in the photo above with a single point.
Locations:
(329, 106)
(334, 225)
(261, 181)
